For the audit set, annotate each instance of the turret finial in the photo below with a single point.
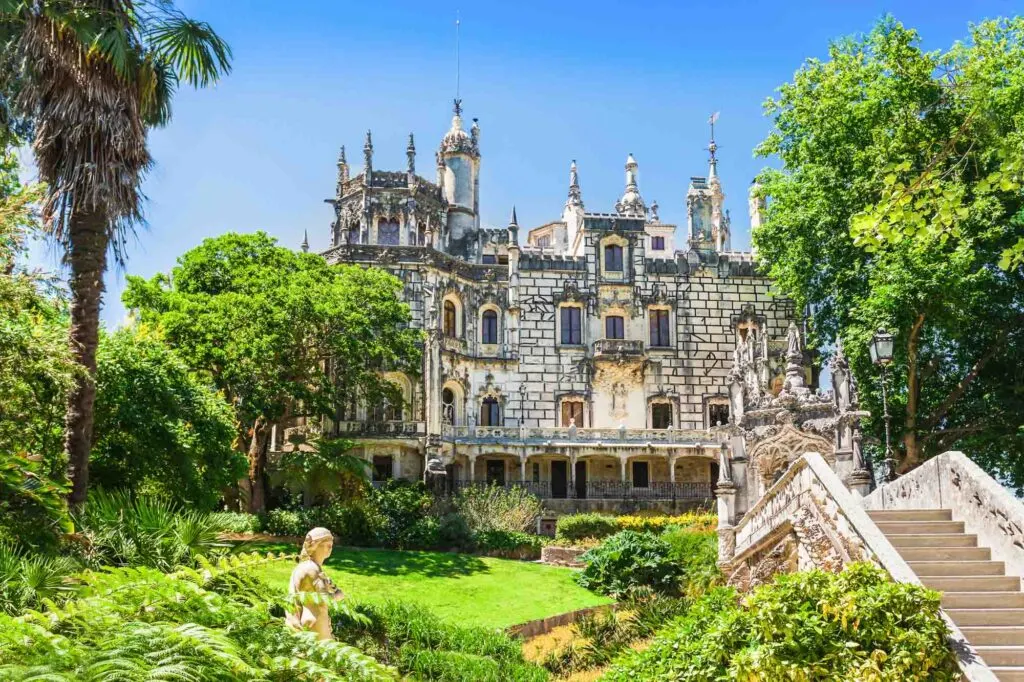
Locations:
(410, 153)
(513, 220)
(305, 241)
(712, 148)
(513, 228)
(575, 195)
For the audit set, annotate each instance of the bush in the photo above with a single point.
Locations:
(630, 561)
(855, 625)
(355, 522)
(697, 553)
(402, 506)
(424, 647)
(579, 526)
(510, 509)
(453, 532)
(237, 522)
(284, 522)
(508, 544)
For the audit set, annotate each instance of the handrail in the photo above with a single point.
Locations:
(878, 547)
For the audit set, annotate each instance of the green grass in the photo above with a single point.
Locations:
(458, 588)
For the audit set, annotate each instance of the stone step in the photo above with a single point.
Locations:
(920, 527)
(980, 583)
(1009, 674)
(934, 540)
(910, 515)
(945, 553)
(969, 617)
(983, 600)
(993, 635)
(1001, 655)
(964, 568)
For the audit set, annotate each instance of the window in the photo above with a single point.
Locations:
(490, 413)
(572, 332)
(718, 414)
(544, 242)
(572, 413)
(382, 470)
(613, 258)
(489, 328)
(536, 472)
(659, 328)
(661, 415)
(657, 243)
(448, 406)
(614, 327)
(387, 233)
(489, 259)
(449, 320)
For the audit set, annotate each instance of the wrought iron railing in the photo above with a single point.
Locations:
(387, 429)
(596, 490)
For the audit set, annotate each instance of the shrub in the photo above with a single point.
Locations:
(237, 522)
(630, 561)
(696, 521)
(579, 526)
(697, 553)
(355, 522)
(29, 577)
(284, 522)
(508, 544)
(855, 625)
(402, 506)
(453, 532)
(497, 508)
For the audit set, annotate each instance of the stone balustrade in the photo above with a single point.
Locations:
(383, 429)
(573, 436)
(615, 347)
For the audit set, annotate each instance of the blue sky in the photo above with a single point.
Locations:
(549, 81)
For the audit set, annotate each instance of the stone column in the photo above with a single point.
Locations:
(622, 466)
(522, 468)
(726, 493)
(472, 467)
(672, 468)
(572, 469)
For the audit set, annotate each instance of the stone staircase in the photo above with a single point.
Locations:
(985, 603)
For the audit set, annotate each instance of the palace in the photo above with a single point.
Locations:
(586, 359)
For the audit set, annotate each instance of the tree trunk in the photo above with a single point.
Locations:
(258, 466)
(87, 258)
(911, 447)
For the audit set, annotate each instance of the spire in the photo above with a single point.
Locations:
(410, 153)
(712, 148)
(305, 241)
(342, 170)
(513, 228)
(575, 196)
(654, 212)
(368, 155)
(631, 202)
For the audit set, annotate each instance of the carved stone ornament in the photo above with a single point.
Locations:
(777, 452)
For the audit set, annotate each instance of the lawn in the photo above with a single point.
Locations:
(460, 588)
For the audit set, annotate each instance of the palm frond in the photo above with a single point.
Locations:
(191, 48)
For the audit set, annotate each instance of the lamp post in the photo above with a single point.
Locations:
(881, 354)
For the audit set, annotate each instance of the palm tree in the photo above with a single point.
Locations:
(91, 77)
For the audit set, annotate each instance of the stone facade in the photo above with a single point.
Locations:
(589, 360)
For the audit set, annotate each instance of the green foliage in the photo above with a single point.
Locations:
(284, 522)
(119, 530)
(29, 577)
(237, 522)
(855, 625)
(421, 645)
(629, 561)
(697, 554)
(159, 429)
(215, 622)
(579, 526)
(495, 507)
(508, 544)
(918, 155)
(403, 521)
(262, 321)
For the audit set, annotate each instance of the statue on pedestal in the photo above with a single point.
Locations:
(310, 587)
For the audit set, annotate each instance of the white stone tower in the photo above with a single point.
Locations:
(459, 179)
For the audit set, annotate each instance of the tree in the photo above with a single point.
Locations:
(847, 130)
(279, 333)
(159, 428)
(92, 77)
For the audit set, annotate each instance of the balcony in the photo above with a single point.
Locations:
(387, 429)
(598, 490)
(573, 436)
(617, 348)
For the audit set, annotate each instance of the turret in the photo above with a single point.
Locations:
(631, 202)
(410, 154)
(459, 163)
(368, 160)
(572, 214)
(755, 204)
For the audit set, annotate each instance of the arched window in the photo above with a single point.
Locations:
(450, 328)
(489, 328)
(613, 258)
(490, 412)
(614, 327)
(448, 406)
(387, 233)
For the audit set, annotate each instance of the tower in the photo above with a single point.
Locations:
(572, 214)
(459, 178)
(707, 222)
(631, 202)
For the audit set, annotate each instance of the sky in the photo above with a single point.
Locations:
(549, 81)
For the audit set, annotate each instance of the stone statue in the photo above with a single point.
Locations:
(311, 588)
